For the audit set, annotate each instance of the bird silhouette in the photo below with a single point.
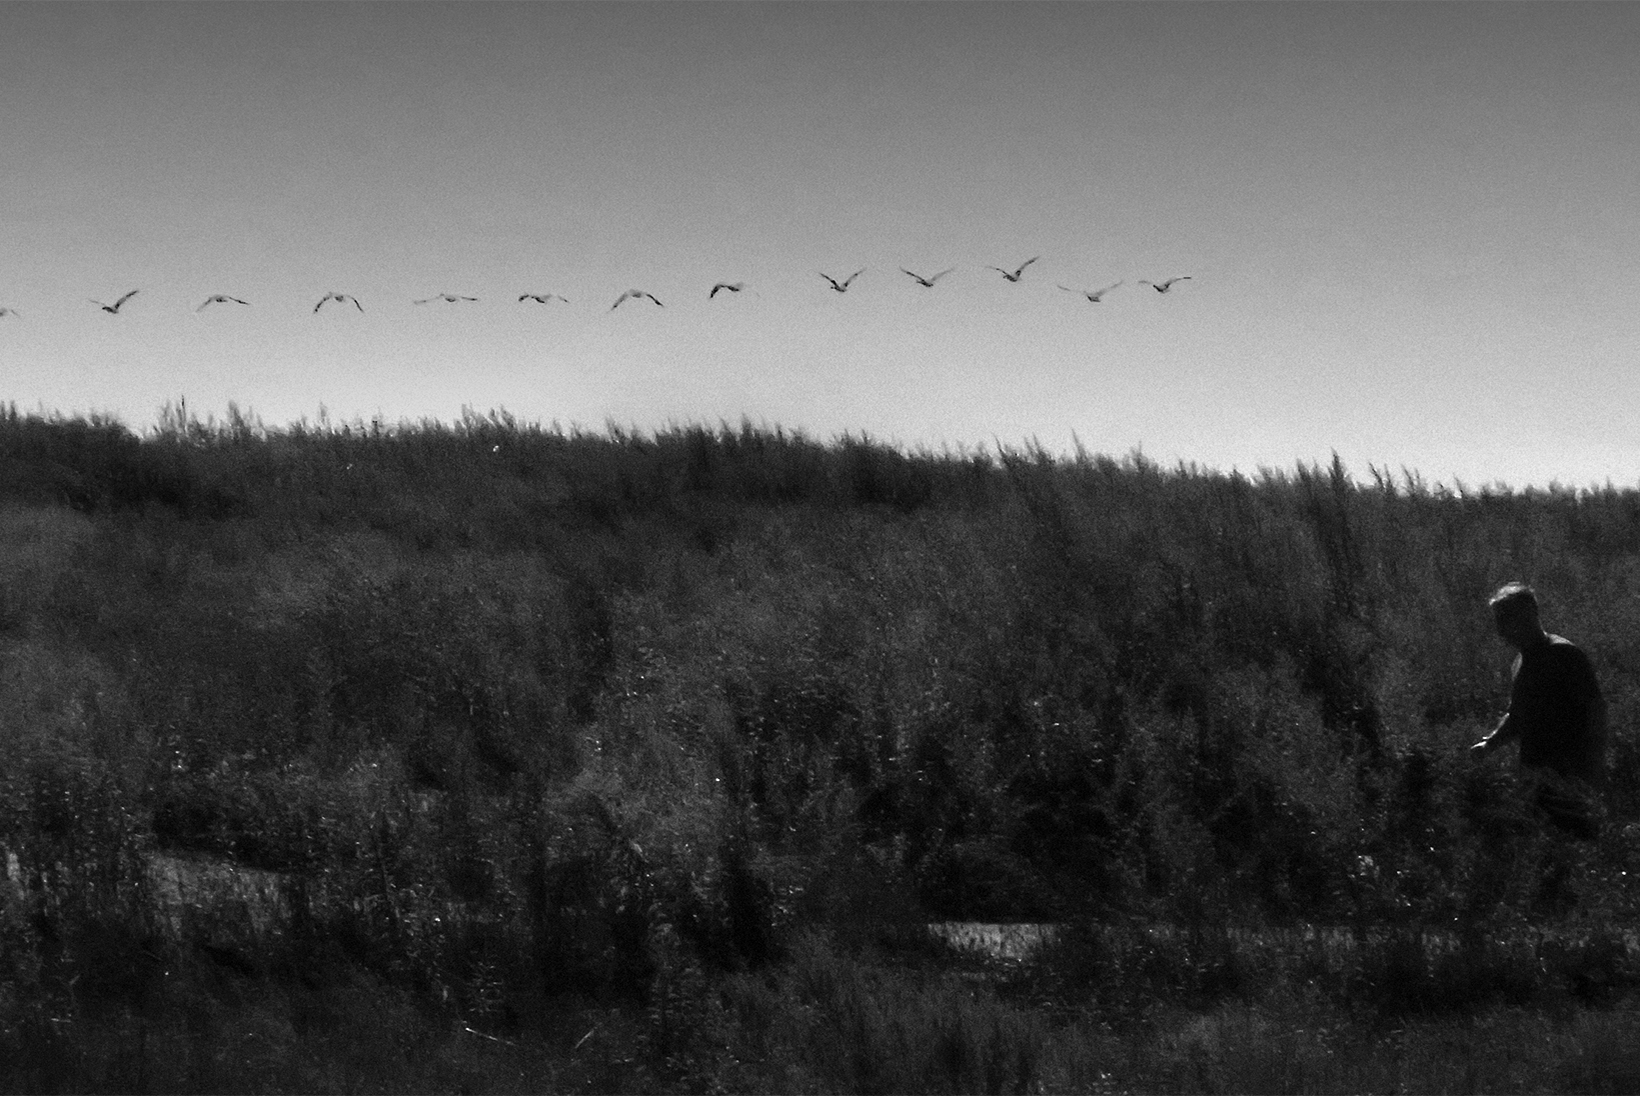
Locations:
(633, 293)
(928, 283)
(1163, 287)
(220, 298)
(1094, 296)
(114, 309)
(450, 298)
(338, 297)
(1014, 277)
(842, 286)
(9, 312)
(732, 287)
(541, 298)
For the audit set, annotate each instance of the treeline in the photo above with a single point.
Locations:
(515, 711)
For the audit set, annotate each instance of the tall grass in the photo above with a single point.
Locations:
(515, 717)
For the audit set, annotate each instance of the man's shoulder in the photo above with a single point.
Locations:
(1556, 654)
(1563, 656)
(1561, 647)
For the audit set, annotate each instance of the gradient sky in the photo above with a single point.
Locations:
(1411, 229)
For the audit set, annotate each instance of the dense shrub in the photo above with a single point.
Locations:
(520, 713)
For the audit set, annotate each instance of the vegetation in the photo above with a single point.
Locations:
(494, 756)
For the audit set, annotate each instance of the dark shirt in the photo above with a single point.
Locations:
(1554, 689)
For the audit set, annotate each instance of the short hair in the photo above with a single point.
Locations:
(1515, 599)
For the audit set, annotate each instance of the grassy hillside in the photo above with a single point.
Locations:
(674, 740)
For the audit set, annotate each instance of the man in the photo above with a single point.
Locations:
(1557, 712)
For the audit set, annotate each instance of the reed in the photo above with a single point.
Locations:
(685, 735)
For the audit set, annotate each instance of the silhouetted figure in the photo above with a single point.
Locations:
(842, 286)
(220, 298)
(1163, 287)
(1094, 296)
(633, 294)
(114, 309)
(1015, 275)
(732, 287)
(339, 298)
(1557, 712)
(928, 282)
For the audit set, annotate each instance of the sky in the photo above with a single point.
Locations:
(1410, 230)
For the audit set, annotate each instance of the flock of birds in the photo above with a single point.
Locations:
(1093, 296)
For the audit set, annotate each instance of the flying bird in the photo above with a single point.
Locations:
(928, 283)
(732, 287)
(842, 286)
(450, 298)
(633, 293)
(9, 312)
(1163, 287)
(114, 309)
(220, 298)
(1014, 277)
(1094, 296)
(541, 298)
(338, 297)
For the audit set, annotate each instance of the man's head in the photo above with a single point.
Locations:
(1515, 611)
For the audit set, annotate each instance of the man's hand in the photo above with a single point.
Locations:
(1507, 730)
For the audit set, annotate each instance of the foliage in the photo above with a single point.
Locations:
(509, 716)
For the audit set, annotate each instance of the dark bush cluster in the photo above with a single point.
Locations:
(512, 713)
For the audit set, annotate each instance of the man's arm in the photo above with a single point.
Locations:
(1507, 730)
(1512, 724)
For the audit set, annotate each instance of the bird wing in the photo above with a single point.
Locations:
(622, 297)
(830, 279)
(1025, 264)
(425, 300)
(208, 300)
(654, 298)
(356, 303)
(941, 274)
(125, 298)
